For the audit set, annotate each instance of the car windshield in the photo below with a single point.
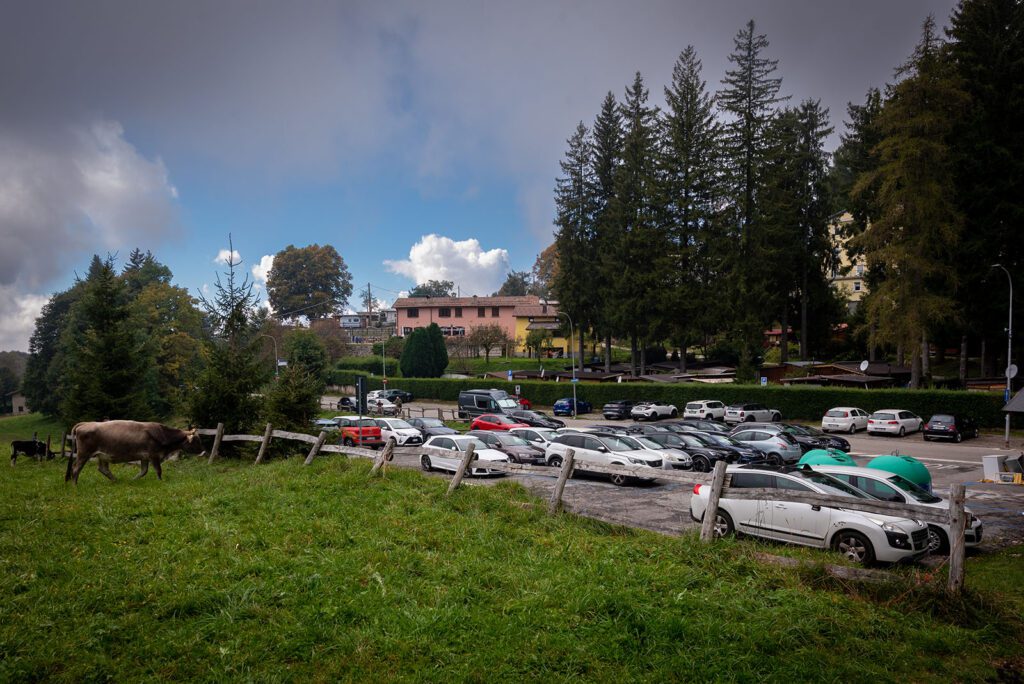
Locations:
(547, 434)
(615, 444)
(464, 442)
(913, 490)
(512, 440)
(430, 422)
(796, 430)
(690, 440)
(830, 484)
(630, 441)
(941, 418)
(398, 424)
(702, 438)
(508, 403)
(648, 443)
(723, 440)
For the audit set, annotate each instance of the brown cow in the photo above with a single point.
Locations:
(122, 441)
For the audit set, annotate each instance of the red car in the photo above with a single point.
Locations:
(491, 421)
(524, 403)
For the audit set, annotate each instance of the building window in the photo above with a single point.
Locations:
(860, 269)
(481, 312)
(856, 286)
(412, 313)
(458, 312)
(406, 331)
(444, 312)
(494, 312)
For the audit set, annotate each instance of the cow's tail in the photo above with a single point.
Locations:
(74, 453)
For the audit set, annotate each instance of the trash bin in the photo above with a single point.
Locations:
(993, 465)
(904, 465)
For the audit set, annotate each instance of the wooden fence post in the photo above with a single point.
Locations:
(707, 529)
(564, 474)
(460, 472)
(386, 455)
(264, 443)
(216, 443)
(957, 523)
(440, 415)
(316, 447)
(47, 454)
(63, 443)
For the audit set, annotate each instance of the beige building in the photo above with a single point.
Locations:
(848, 277)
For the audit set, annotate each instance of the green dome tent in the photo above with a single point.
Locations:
(827, 457)
(904, 465)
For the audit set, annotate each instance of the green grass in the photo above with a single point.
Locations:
(288, 573)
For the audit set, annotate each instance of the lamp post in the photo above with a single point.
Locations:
(276, 366)
(1009, 349)
(572, 362)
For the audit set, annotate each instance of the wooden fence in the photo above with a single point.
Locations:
(717, 480)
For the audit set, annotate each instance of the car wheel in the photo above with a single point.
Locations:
(853, 428)
(854, 546)
(674, 413)
(425, 463)
(512, 458)
(701, 464)
(555, 461)
(748, 419)
(348, 442)
(938, 542)
(926, 438)
(775, 459)
(776, 417)
(723, 524)
(618, 480)
(958, 437)
(903, 431)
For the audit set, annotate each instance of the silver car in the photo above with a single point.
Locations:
(779, 447)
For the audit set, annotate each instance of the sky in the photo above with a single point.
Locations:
(420, 139)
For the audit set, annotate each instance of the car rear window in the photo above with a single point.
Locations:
(838, 414)
(694, 406)
(366, 422)
(883, 416)
(941, 418)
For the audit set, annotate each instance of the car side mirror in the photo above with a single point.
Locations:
(603, 450)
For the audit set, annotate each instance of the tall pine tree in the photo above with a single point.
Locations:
(607, 156)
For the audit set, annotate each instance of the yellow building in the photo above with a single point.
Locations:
(849, 276)
(542, 316)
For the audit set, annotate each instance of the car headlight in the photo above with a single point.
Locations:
(890, 527)
(638, 461)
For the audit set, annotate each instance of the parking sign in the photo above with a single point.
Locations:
(764, 381)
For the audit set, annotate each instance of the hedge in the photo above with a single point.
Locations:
(803, 403)
(366, 364)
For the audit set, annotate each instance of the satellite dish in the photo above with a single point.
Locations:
(1011, 371)
(864, 365)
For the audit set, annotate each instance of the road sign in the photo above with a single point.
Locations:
(510, 375)
(1011, 371)
(764, 381)
(864, 365)
(282, 362)
(575, 379)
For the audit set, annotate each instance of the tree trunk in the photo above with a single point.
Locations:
(963, 361)
(608, 352)
(632, 354)
(926, 364)
(872, 350)
(901, 358)
(682, 358)
(784, 336)
(981, 369)
(804, 344)
(915, 370)
(643, 358)
(583, 349)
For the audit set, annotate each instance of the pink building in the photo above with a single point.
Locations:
(457, 316)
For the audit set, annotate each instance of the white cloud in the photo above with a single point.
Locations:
(465, 263)
(18, 313)
(262, 269)
(224, 255)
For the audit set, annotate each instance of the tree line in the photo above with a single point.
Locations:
(708, 221)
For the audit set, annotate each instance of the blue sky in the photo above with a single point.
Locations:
(369, 126)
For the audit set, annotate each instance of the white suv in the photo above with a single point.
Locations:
(887, 486)
(705, 408)
(860, 536)
(599, 449)
(653, 410)
(399, 432)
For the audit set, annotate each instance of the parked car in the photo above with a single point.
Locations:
(893, 487)
(827, 441)
(515, 447)
(702, 425)
(381, 407)
(778, 447)
(431, 427)
(457, 445)
(477, 402)
(893, 422)
(592, 429)
(539, 437)
(861, 537)
(744, 452)
(844, 419)
(637, 429)
(949, 426)
(653, 410)
(390, 395)
(620, 408)
(359, 431)
(806, 440)
(672, 457)
(705, 408)
(751, 413)
(703, 455)
(327, 424)
(536, 419)
(599, 449)
(494, 421)
(564, 407)
(399, 432)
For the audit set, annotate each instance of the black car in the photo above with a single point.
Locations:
(392, 394)
(430, 427)
(703, 425)
(828, 441)
(704, 456)
(618, 409)
(949, 426)
(517, 448)
(646, 429)
(536, 419)
(744, 452)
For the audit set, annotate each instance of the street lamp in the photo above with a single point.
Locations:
(276, 366)
(572, 362)
(1009, 348)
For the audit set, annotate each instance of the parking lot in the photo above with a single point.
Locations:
(664, 507)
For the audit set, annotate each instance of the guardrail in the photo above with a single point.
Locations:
(718, 480)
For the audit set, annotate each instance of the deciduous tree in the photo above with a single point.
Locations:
(310, 281)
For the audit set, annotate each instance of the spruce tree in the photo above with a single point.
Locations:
(438, 351)
(607, 156)
(42, 382)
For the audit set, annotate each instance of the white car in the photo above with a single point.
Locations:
(860, 536)
(844, 419)
(751, 413)
(653, 410)
(893, 422)
(540, 437)
(399, 432)
(599, 449)
(672, 458)
(705, 408)
(888, 486)
(381, 407)
(457, 445)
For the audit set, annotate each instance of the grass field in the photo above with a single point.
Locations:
(292, 573)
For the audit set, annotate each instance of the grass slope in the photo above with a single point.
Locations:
(282, 573)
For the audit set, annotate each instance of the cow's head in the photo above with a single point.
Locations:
(193, 444)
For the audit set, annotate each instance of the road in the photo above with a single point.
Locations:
(664, 507)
